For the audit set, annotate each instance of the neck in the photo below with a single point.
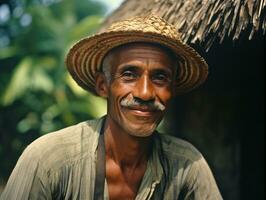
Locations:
(124, 149)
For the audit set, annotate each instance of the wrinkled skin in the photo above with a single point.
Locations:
(144, 72)
(141, 73)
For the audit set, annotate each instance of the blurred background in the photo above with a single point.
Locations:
(224, 118)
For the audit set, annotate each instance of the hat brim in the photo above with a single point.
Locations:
(85, 58)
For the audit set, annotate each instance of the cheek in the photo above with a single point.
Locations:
(119, 88)
(116, 92)
(165, 94)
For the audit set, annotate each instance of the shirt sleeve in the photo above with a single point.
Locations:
(28, 179)
(200, 183)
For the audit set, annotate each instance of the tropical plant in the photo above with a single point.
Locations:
(37, 95)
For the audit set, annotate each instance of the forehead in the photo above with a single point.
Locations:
(142, 52)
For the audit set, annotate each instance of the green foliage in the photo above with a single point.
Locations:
(37, 95)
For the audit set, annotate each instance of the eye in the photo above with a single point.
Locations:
(161, 79)
(129, 75)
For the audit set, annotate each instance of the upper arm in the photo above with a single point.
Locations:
(28, 180)
(200, 183)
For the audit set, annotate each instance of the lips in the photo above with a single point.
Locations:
(142, 108)
(141, 111)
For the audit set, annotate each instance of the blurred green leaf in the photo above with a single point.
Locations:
(85, 27)
(37, 95)
(41, 81)
(77, 90)
(19, 82)
(8, 52)
(95, 106)
(31, 121)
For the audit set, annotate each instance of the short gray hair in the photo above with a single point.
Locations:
(106, 67)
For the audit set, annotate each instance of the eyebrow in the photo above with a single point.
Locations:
(128, 67)
(135, 68)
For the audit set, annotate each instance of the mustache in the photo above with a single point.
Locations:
(133, 102)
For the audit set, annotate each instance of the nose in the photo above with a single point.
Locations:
(144, 89)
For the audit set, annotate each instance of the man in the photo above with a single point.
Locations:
(138, 65)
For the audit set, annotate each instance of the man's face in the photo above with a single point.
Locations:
(140, 87)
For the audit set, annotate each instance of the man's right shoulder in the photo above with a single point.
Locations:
(65, 146)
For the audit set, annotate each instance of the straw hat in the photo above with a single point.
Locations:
(85, 58)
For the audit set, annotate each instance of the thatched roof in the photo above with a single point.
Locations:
(201, 21)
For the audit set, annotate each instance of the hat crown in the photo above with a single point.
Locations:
(85, 58)
(147, 24)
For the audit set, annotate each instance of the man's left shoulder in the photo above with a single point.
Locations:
(176, 147)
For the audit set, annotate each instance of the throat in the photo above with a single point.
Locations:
(124, 175)
(126, 162)
(123, 183)
(126, 150)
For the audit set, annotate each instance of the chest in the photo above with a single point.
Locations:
(123, 183)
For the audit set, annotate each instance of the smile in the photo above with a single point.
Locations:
(141, 112)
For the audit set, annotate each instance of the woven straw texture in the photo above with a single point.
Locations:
(201, 21)
(85, 58)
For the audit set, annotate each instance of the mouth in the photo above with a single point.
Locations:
(141, 111)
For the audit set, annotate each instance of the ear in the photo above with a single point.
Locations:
(101, 85)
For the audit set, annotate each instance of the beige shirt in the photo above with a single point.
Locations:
(62, 165)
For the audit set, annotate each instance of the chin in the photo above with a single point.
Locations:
(142, 131)
(139, 126)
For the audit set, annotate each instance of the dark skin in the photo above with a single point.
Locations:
(142, 71)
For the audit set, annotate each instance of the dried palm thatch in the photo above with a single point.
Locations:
(202, 21)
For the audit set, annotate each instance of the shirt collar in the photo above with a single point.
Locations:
(154, 163)
(153, 174)
(154, 171)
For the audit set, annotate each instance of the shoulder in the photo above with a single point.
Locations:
(64, 146)
(198, 180)
(51, 160)
(177, 148)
